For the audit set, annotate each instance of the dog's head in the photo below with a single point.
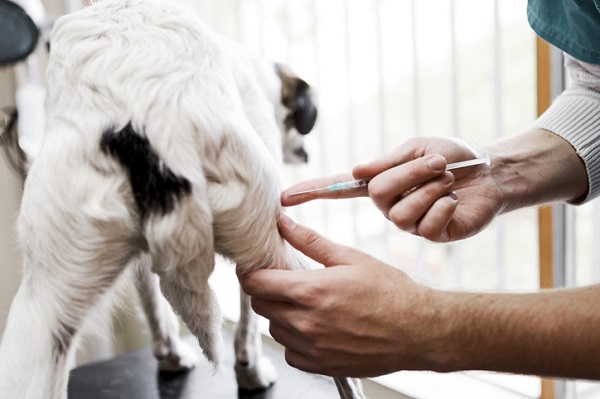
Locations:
(296, 115)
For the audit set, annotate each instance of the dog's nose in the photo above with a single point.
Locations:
(301, 154)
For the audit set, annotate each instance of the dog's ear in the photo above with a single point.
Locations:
(296, 95)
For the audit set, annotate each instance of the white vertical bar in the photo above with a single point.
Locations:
(498, 127)
(563, 228)
(454, 72)
(260, 15)
(420, 261)
(454, 249)
(416, 89)
(563, 232)
(351, 110)
(570, 247)
(381, 81)
(318, 82)
(238, 20)
(216, 8)
(596, 239)
(383, 131)
(350, 103)
(288, 34)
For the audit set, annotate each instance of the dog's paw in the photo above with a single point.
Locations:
(180, 356)
(260, 375)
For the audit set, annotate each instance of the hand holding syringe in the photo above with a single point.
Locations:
(358, 183)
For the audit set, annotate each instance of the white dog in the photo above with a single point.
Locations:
(162, 148)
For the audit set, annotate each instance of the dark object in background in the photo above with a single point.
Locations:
(9, 141)
(18, 33)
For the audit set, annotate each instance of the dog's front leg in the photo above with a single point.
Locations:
(33, 354)
(252, 369)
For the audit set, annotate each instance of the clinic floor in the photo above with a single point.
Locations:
(135, 376)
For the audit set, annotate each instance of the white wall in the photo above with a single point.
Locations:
(10, 193)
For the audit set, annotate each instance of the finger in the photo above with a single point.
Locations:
(408, 211)
(398, 156)
(299, 361)
(286, 336)
(280, 313)
(295, 346)
(295, 195)
(434, 224)
(269, 284)
(388, 187)
(313, 245)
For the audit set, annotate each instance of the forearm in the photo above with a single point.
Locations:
(575, 116)
(553, 333)
(564, 166)
(536, 167)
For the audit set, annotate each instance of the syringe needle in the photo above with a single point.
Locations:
(363, 182)
(470, 162)
(345, 185)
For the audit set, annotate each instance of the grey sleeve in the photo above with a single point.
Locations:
(575, 116)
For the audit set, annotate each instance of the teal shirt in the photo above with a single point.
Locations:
(571, 25)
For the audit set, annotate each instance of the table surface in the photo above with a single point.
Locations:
(136, 376)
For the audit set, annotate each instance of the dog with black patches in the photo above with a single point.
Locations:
(163, 148)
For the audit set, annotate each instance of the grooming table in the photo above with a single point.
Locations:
(135, 376)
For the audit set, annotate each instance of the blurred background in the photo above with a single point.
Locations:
(383, 71)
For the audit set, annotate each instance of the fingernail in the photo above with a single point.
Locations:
(437, 163)
(452, 197)
(286, 221)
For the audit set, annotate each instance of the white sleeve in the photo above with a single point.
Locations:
(575, 116)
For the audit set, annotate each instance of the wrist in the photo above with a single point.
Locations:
(479, 331)
(536, 167)
(468, 332)
(442, 348)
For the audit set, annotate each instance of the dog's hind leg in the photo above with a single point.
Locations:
(170, 350)
(253, 370)
(181, 246)
(177, 226)
(188, 291)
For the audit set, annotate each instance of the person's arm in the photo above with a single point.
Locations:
(412, 191)
(536, 167)
(575, 116)
(527, 169)
(552, 333)
(360, 317)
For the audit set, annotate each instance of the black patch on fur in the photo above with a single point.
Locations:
(155, 187)
(62, 340)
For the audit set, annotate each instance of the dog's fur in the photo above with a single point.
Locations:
(162, 148)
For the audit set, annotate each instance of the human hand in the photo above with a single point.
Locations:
(412, 189)
(358, 317)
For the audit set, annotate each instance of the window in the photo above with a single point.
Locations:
(387, 70)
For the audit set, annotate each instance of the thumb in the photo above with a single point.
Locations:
(314, 245)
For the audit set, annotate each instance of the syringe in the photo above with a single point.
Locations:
(348, 185)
